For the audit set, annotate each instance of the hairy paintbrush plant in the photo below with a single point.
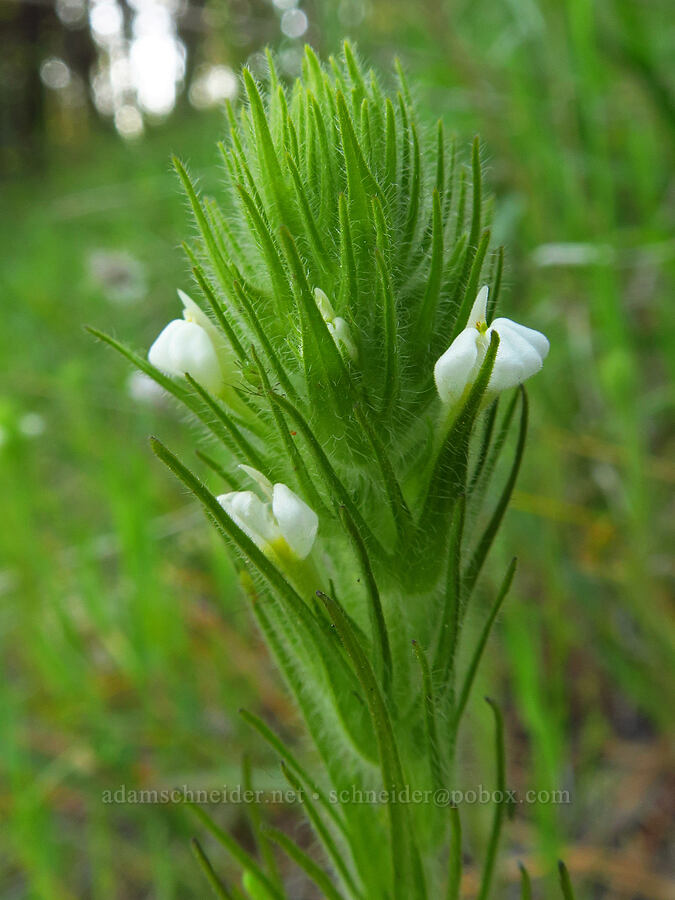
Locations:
(342, 353)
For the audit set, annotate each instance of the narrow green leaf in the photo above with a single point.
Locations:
(335, 486)
(202, 221)
(280, 747)
(477, 193)
(382, 241)
(306, 863)
(313, 74)
(263, 844)
(391, 373)
(172, 386)
(217, 886)
(430, 717)
(455, 861)
(378, 625)
(323, 833)
(261, 334)
(425, 322)
(244, 445)
(272, 69)
(484, 446)
(327, 170)
(500, 806)
(377, 105)
(408, 880)
(314, 328)
(217, 468)
(390, 143)
(279, 276)
(217, 309)
(496, 285)
(483, 477)
(297, 462)
(236, 159)
(448, 631)
(308, 217)
(349, 281)
(403, 81)
(525, 883)
(366, 130)
(290, 134)
(245, 860)
(565, 881)
(478, 558)
(414, 194)
(355, 75)
(399, 508)
(482, 641)
(440, 158)
(461, 205)
(267, 155)
(360, 180)
(449, 187)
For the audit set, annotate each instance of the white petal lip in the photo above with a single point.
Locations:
(454, 369)
(260, 479)
(538, 340)
(298, 523)
(252, 515)
(287, 516)
(521, 353)
(186, 347)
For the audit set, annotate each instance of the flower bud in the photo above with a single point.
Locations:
(337, 326)
(193, 345)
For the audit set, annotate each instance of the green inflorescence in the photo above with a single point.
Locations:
(339, 261)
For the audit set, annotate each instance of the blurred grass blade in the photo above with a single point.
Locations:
(217, 886)
(491, 852)
(455, 857)
(565, 882)
(264, 846)
(289, 757)
(306, 863)
(236, 851)
(525, 883)
(323, 834)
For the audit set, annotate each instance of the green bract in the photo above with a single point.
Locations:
(340, 259)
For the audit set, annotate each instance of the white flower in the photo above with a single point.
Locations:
(521, 354)
(193, 345)
(280, 522)
(337, 326)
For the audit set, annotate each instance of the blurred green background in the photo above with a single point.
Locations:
(126, 648)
